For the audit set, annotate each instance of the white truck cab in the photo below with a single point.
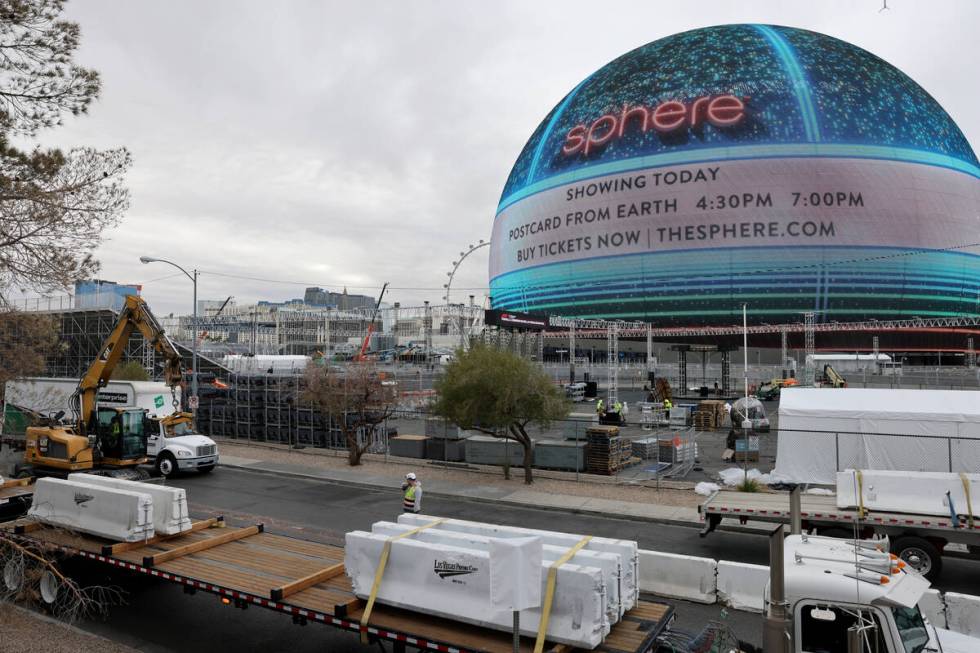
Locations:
(174, 446)
(839, 590)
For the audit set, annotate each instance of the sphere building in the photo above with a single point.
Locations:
(754, 164)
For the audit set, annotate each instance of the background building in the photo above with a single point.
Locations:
(319, 297)
(98, 293)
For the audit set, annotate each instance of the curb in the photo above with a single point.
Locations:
(731, 528)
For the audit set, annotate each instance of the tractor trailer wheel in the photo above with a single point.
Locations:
(919, 554)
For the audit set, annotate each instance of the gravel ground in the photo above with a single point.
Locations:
(23, 631)
(590, 486)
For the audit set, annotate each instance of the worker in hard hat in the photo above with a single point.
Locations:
(411, 494)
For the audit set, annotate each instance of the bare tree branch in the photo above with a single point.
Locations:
(54, 205)
(356, 399)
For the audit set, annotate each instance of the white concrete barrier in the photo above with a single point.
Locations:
(932, 607)
(170, 513)
(742, 586)
(678, 576)
(107, 512)
(963, 613)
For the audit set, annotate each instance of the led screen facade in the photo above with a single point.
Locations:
(754, 164)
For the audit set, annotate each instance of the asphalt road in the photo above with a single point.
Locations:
(159, 617)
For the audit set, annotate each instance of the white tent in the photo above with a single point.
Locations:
(822, 430)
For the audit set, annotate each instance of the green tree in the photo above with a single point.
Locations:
(130, 371)
(54, 204)
(499, 393)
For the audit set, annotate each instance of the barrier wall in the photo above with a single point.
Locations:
(963, 613)
(678, 576)
(742, 586)
(932, 607)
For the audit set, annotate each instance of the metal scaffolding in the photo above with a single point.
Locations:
(809, 349)
(784, 344)
(82, 333)
(612, 362)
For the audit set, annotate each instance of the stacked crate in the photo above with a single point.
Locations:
(608, 452)
(646, 448)
(710, 415)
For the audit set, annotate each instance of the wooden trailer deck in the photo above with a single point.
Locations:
(306, 580)
(15, 497)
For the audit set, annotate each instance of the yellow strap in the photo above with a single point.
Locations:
(385, 552)
(549, 593)
(969, 502)
(860, 495)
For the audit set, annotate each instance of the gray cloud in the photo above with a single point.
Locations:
(357, 143)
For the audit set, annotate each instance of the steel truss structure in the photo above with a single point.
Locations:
(82, 334)
(597, 328)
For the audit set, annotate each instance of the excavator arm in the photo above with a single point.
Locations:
(135, 316)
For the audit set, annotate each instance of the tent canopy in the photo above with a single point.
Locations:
(825, 430)
(868, 403)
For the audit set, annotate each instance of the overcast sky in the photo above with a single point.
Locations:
(353, 143)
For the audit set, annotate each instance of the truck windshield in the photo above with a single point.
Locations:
(178, 429)
(911, 628)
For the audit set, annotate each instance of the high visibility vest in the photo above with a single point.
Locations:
(667, 404)
(598, 406)
(618, 407)
(408, 501)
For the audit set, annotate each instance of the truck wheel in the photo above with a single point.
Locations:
(919, 554)
(166, 465)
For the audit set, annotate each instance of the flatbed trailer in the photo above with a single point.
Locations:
(15, 498)
(304, 579)
(919, 539)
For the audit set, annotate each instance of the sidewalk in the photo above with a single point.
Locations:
(675, 506)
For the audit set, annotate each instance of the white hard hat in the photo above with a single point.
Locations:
(410, 476)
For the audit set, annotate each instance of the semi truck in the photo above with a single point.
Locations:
(919, 540)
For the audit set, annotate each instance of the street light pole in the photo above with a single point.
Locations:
(194, 348)
(193, 278)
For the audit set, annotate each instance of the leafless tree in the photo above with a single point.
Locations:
(355, 398)
(54, 204)
(30, 575)
(25, 340)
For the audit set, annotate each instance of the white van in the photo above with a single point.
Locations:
(172, 445)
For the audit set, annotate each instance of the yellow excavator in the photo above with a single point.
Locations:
(103, 440)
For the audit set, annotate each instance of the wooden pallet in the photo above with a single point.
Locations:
(704, 420)
(607, 455)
